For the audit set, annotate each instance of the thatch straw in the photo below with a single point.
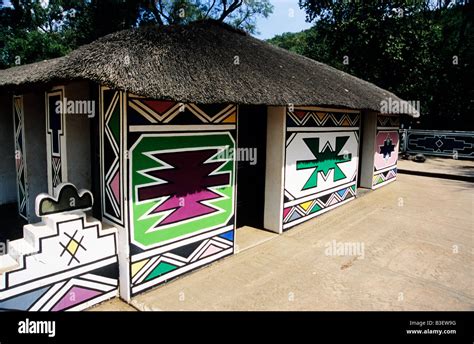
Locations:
(204, 62)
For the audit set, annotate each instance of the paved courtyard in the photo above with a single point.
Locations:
(416, 252)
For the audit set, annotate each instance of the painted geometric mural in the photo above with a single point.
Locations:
(385, 157)
(151, 268)
(321, 162)
(21, 183)
(441, 143)
(181, 184)
(304, 117)
(66, 262)
(181, 172)
(56, 139)
(143, 111)
(388, 121)
(112, 161)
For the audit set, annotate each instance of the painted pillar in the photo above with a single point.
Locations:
(386, 150)
(321, 161)
(113, 176)
(20, 156)
(369, 131)
(274, 174)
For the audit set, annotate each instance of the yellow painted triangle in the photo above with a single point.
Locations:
(306, 205)
(138, 266)
(230, 119)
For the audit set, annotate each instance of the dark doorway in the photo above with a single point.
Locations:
(11, 224)
(252, 140)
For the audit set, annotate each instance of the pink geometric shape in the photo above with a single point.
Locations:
(210, 251)
(74, 296)
(286, 211)
(187, 206)
(379, 160)
(115, 186)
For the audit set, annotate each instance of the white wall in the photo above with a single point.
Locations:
(275, 168)
(78, 139)
(35, 149)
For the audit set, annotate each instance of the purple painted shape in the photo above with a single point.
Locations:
(187, 207)
(115, 186)
(74, 296)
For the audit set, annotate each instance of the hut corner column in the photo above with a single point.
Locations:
(275, 167)
(369, 129)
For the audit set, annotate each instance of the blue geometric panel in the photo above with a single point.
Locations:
(24, 301)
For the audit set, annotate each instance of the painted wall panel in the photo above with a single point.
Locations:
(181, 178)
(112, 155)
(20, 159)
(168, 180)
(452, 144)
(66, 262)
(386, 150)
(321, 162)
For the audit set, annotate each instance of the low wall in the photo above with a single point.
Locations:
(452, 144)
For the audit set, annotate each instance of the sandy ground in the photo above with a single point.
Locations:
(447, 166)
(416, 252)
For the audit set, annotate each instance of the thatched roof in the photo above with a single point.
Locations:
(204, 62)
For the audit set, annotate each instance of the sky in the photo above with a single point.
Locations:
(286, 17)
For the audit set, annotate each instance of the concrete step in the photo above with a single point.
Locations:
(7, 263)
(19, 248)
(32, 233)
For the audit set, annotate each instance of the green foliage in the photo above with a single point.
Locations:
(408, 47)
(34, 30)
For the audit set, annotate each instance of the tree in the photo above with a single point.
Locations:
(34, 30)
(239, 13)
(420, 50)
